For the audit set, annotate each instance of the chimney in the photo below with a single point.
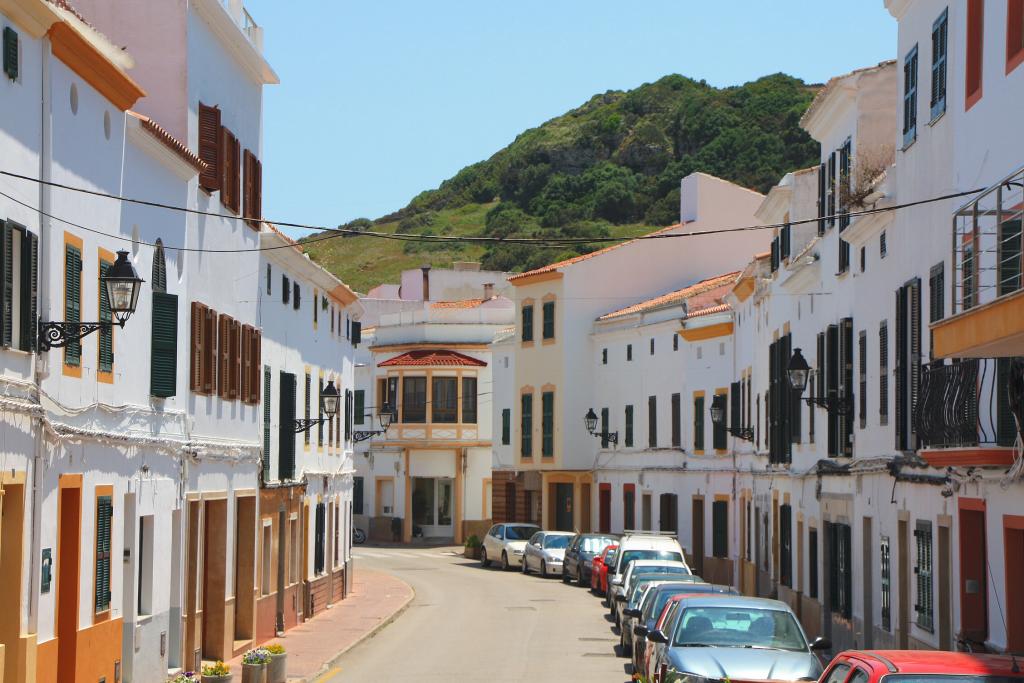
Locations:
(488, 291)
(426, 281)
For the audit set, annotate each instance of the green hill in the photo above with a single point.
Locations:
(609, 167)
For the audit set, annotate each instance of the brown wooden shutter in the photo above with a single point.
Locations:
(209, 360)
(235, 360)
(236, 191)
(246, 352)
(230, 178)
(256, 356)
(223, 355)
(246, 183)
(195, 382)
(209, 146)
(253, 189)
(257, 192)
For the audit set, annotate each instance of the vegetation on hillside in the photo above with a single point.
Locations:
(609, 167)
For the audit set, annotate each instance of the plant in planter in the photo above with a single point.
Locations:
(276, 669)
(216, 673)
(187, 677)
(473, 546)
(254, 665)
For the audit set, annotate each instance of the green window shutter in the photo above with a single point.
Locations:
(308, 416)
(106, 335)
(73, 299)
(163, 368)
(526, 426)
(547, 400)
(698, 423)
(527, 323)
(104, 513)
(29, 289)
(549, 320)
(266, 423)
(7, 283)
(360, 407)
(286, 427)
(506, 427)
(604, 428)
(629, 425)
(11, 53)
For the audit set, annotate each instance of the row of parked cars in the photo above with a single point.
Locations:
(677, 628)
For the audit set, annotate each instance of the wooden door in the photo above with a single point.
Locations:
(973, 583)
(604, 508)
(698, 536)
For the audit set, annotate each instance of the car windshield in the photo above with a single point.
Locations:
(753, 627)
(649, 573)
(640, 592)
(630, 555)
(595, 544)
(950, 678)
(556, 541)
(519, 533)
(610, 557)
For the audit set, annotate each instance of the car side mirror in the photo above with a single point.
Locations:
(640, 630)
(632, 612)
(657, 636)
(821, 643)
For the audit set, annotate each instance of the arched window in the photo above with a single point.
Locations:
(159, 268)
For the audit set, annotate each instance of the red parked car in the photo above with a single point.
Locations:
(919, 666)
(599, 569)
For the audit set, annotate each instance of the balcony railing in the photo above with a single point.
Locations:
(987, 244)
(959, 404)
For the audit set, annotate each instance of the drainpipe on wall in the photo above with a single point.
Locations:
(42, 294)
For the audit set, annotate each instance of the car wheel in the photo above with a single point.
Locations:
(484, 562)
(565, 574)
(579, 579)
(524, 567)
(504, 561)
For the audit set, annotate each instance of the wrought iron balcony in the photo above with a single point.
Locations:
(964, 404)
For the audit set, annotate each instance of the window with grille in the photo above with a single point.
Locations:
(925, 607)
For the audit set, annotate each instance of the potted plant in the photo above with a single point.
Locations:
(473, 546)
(254, 665)
(216, 673)
(187, 677)
(276, 670)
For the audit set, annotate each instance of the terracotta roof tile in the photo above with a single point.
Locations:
(169, 141)
(704, 293)
(583, 257)
(710, 310)
(435, 358)
(465, 303)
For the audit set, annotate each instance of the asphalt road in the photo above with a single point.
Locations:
(467, 623)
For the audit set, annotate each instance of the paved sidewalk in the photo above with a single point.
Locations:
(376, 599)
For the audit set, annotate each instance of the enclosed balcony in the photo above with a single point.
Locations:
(987, 296)
(964, 416)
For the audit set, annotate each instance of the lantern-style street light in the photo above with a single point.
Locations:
(798, 372)
(329, 404)
(590, 420)
(385, 417)
(122, 285)
(718, 419)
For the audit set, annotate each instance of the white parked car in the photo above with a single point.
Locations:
(505, 544)
(640, 547)
(545, 552)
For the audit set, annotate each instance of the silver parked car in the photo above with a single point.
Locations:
(735, 638)
(504, 543)
(545, 552)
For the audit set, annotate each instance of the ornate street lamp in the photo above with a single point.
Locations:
(385, 417)
(718, 419)
(799, 371)
(590, 420)
(122, 284)
(329, 402)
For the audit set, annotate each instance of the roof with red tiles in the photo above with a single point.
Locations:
(698, 296)
(465, 303)
(710, 310)
(584, 257)
(169, 141)
(434, 358)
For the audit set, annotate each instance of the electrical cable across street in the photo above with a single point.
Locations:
(332, 233)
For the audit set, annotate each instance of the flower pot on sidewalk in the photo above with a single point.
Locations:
(254, 673)
(216, 673)
(226, 678)
(277, 669)
(472, 552)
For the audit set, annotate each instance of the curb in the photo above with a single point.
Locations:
(331, 664)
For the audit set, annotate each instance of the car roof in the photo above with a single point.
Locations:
(935, 662)
(727, 600)
(611, 536)
(649, 543)
(534, 526)
(558, 533)
(638, 564)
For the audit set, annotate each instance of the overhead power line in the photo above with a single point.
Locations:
(412, 237)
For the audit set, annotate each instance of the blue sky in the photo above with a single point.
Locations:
(381, 99)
